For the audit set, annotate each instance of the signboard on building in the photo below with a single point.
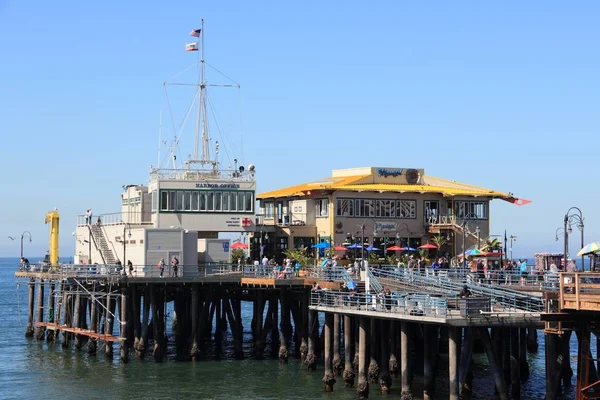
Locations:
(385, 227)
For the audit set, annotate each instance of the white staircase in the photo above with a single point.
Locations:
(102, 245)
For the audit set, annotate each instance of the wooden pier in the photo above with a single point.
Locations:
(367, 340)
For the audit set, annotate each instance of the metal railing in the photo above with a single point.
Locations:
(395, 302)
(201, 174)
(118, 218)
(285, 219)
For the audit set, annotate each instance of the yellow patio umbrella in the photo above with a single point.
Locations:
(593, 247)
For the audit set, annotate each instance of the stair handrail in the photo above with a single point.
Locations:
(112, 244)
(374, 284)
(95, 244)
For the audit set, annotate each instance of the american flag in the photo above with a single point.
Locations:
(195, 32)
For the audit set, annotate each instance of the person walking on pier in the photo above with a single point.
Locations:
(88, 216)
(175, 266)
(130, 268)
(161, 267)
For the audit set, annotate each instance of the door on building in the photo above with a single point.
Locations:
(432, 211)
(169, 262)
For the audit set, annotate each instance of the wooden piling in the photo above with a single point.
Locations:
(515, 374)
(362, 389)
(466, 360)
(136, 300)
(41, 330)
(338, 365)
(404, 361)
(523, 364)
(51, 305)
(550, 348)
(285, 327)
(30, 307)
(328, 377)
(218, 327)
(140, 351)
(311, 360)
(259, 340)
(394, 345)
(93, 342)
(108, 323)
(385, 381)
(157, 351)
(494, 364)
(305, 323)
(506, 346)
(77, 320)
(453, 357)
(373, 372)
(195, 305)
(566, 370)
(532, 337)
(348, 357)
(123, 347)
(428, 361)
(239, 328)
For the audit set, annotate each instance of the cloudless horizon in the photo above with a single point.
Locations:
(503, 96)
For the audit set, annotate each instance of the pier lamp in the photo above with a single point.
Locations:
(362, 250)
(478, 231)
(26, 233)
(465, 226)
(569, 219)
(556, 233)
(512, 239)
(125, 227)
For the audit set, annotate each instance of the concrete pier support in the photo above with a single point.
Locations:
(362, 389)
(453, 357)
(385, 381)
(123, 345)
(348, 357)
(338, 365)
(40, 331)
(328, 377)
(404, 361)
(30, 307)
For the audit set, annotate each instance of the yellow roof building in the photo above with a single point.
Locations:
(382, 205)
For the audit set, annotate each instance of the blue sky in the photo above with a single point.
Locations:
(498, 95)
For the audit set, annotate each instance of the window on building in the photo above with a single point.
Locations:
(210, 204)
(195, 201)
(345, 208)
(187, 201)
(225, 201)
(218, 197)
(154, 201)
(241, 197)
(203, 201)
(364, 208)
(269, 209)
(164, 200)
(233, 201)
(471, 209)
(322, 207)
(249, 201)
(406, 209)
(172, 200)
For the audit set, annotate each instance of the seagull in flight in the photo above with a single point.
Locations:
(11, 238)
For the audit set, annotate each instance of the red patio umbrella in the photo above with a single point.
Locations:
(428, 246)
(340, 248)
(395, 248)
(239, 245)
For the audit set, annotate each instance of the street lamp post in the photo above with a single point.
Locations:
(478, 231)
(512, 238)
(465, 226)
(26, 233)
(568, 220)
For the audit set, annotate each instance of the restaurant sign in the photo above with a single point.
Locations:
(385, 172)
(385, 227)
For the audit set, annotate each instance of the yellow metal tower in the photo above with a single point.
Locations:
(52, 218)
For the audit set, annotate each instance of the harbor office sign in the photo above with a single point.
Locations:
(385, 227)
(217, 185)
(385, 172)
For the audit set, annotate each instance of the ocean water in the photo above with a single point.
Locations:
(32, 369)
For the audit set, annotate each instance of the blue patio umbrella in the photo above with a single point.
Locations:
(322, 245)
(355, 246)
(409, 249)
(351, 285)
(371, 248)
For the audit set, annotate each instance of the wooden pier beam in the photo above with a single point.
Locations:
(30, 307)
(428, 360)
(140, 351)
(494, 364)
(338, 365)
(385, 381)
(235, 332)
(348, 357)
(373, 372)
(453, 357)
(362, 389)
(311, 359)
(567, 371)
(51, 287)
(41, 330)
(328, 377)
(123, 345)
(405, 361)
